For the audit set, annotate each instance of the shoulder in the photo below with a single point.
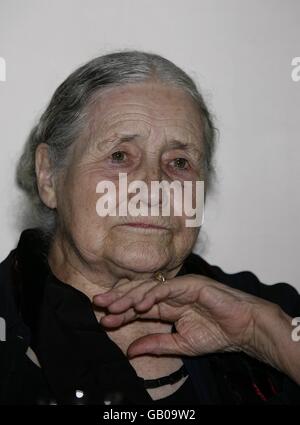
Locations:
(9, 308)
(6, 296)
(280, 293)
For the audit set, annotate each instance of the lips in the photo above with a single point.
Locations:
(145, 225)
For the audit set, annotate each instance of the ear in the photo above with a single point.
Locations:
(44, 175)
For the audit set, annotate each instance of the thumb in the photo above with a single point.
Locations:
(157, 344)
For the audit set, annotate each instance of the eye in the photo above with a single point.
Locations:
(180, 163)
(118, 156)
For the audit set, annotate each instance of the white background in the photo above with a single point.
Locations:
(240, 53)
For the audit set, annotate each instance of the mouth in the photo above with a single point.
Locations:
(145, 226)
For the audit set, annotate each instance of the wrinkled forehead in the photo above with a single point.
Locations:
(138, 109)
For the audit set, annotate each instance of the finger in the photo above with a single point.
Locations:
(144, 297)
(157, 344)
(117, 320)
(102, 300)
(132, 297)
(115, 293)
(140, 288)
(184, 291)
(175, 291)
(152, 297)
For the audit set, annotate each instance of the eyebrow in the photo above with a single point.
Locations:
(173, 144)
(121, 138)
(116, 139)
(127, 137)
(177, 144)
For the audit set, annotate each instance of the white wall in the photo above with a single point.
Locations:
(240, 51)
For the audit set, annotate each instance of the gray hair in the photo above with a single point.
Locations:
(66, 116)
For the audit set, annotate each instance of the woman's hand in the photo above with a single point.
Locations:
(208, 317)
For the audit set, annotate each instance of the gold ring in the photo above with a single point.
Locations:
(159, 276)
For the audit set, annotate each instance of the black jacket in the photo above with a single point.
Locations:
(57, 322)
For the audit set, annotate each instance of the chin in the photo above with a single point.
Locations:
(141, 259)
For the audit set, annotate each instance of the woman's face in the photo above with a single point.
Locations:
(140, 130)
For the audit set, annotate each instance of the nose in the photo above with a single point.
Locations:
(150, 174)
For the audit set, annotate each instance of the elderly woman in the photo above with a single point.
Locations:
(117, 309)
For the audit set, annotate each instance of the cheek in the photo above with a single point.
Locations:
(77, 203)
(185, 237)
(90, 233)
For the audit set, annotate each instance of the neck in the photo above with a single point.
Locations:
(93, 278)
